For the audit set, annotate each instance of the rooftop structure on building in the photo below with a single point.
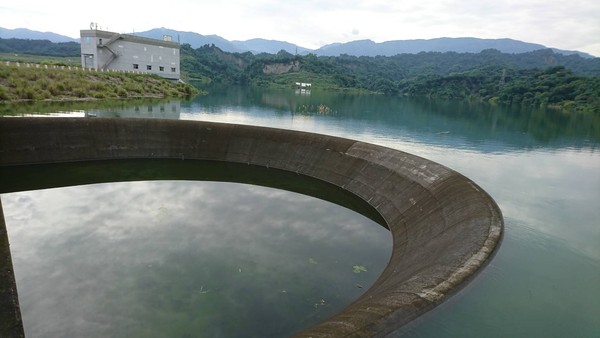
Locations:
(110, 51)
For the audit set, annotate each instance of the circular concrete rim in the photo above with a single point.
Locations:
(444, 227)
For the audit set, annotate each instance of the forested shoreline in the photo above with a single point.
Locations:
(541, 78)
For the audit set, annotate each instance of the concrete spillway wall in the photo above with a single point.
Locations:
(444, 227)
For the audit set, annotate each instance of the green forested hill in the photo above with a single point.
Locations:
(539, 78)
(39, 47)
(556, 87)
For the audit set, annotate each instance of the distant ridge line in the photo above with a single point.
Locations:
(352, 48)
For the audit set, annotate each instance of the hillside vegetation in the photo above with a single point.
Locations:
(73, 61)
(540, 78)
(34, 84)
(39, 47)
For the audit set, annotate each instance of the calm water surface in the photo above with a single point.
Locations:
(186, 259)
(542, 167)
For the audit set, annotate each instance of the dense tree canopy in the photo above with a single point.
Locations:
(39, 47)
(540, 78)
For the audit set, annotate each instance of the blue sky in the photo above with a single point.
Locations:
(573, 24)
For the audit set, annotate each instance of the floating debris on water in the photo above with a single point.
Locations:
(359, 269)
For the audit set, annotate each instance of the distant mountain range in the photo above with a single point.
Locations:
(196, 40)
(24, 33)
(460, 45)
(354, 48)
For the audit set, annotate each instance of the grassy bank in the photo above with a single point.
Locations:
(37, 84)
(42, 59)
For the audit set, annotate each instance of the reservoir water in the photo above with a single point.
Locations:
(541, 167)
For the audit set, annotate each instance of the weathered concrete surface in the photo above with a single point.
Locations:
(10, 313)
(444, 226)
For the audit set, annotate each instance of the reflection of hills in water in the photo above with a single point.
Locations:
(305, 106)
(137, 108)
(486, 127)
(170, 109)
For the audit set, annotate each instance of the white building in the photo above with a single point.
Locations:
(102, 50)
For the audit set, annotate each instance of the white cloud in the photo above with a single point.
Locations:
(312, 23)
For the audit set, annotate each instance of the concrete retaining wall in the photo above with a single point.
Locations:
(444, 226)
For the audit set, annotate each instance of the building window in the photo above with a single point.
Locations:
(173, 69)
(100, 43)
(161, 68)
(148, 67)
(136, 66)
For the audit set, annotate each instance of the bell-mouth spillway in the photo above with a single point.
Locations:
(444, 227)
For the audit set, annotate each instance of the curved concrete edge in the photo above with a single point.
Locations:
(444, 227)
(11, 324)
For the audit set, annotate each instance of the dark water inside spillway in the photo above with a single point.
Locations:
(166, 258)
(542, 167)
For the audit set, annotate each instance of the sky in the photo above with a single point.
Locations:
(571, 25)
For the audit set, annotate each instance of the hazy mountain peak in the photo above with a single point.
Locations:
(364, 47)
(259, 45)
(24, 33)
(444, 44)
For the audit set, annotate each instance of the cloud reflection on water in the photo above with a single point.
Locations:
(108, 259)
